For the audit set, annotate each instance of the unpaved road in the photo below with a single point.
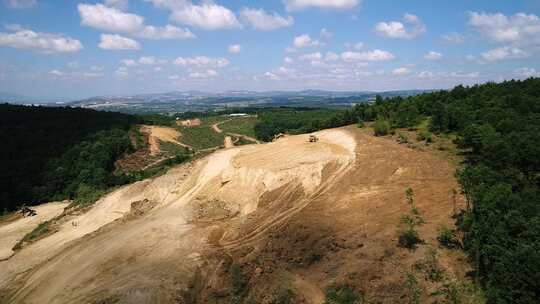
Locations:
(325, 211)
(11, 233)
(164, 134)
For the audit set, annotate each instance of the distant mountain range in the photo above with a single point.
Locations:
(181, 101)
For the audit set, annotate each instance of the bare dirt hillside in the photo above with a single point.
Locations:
(251, 224)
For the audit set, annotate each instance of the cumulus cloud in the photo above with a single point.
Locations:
(207, 16)
(21, 38)
(294, 5)
(235, 48)
(111, 19)
(433, 55)
(261, 20)
(150, 60)
(401, 71)
(288, 60)
(128, 62)
(304, 41)
(520, 28)
(166, 32)
(203, 74)
(411, 28)
(114, 20)
(120, 4)
(374, 55)
(526, 72)
(201, 61)
(117, 42)
(20, 4)
(311, 56)
(502, 53)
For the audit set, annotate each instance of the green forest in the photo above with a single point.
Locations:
(498, 128)
(52, 153)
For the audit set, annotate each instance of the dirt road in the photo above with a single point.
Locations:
(13, 232)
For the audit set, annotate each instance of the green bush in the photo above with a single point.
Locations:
(343, 294)
(381, 127)
(408, 237)
(425, 135)
(402, 138)
(360, 123)
(447, 238)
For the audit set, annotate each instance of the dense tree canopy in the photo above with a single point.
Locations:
(48, 152)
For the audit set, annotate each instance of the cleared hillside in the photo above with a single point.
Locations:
(286, 220)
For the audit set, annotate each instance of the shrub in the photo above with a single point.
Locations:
(425, 135)
(447, 238)
(407, 236)
(381, 127)
(402, 138)
(360, 123)
(343, 294)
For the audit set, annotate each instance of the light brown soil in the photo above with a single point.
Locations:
(290, 215)
(189, 122)
(228, 142)
(12, 232)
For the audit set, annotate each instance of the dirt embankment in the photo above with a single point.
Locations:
(246, 225)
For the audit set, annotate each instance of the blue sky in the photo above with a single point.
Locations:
(76, 49)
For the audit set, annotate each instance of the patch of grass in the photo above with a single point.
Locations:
(39, 232)
(244, 126)
(239, 282)
(430, 267)
(360, 124)
(343, 294)
(201, 137)
(411, 283)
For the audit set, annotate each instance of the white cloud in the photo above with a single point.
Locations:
(527, 72)
(201, 61)
(433, 55)
(166, 32)
(454, 38)
(519, 28)
(425, 74)
(235, 48)
(207, 16)
(114, 20)
(311, 56)
(20, 4)
(121, 73)
(374, 55)
(331, 56)
(261, 20)
(304, 41)
(150, 60)
(502, 53)
(326, 34)
(464, 75)
(401, 72)
(204, 74)
(120, 4)
(56, 73)
(117, 42)
(21, 38)
(128, 62)
(398, 30)
(174, 77)
(288, 60)
(110, 19)
(294, 5)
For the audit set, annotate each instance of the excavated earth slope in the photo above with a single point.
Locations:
(243, 224)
